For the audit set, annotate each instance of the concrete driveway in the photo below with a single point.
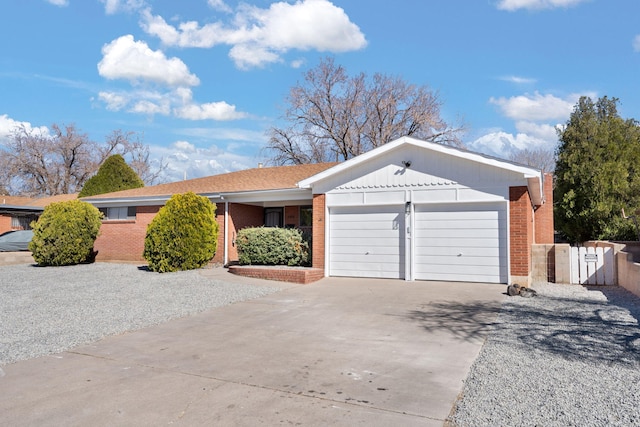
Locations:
(337, 352)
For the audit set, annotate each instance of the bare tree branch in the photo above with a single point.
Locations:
(36, 164)
(335, 117)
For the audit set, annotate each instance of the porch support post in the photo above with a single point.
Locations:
(226, 233)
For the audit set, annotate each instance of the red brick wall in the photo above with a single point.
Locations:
(124, 240)
(544, 214)
(292, 216)
(521, 226)
(318, 231)
(5, 223)
(240, 216)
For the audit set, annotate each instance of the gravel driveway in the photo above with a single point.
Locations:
(45, 310)
(568, 357)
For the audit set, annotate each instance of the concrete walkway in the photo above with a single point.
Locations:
(337, 352)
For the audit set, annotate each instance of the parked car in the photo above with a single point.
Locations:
(13, 241)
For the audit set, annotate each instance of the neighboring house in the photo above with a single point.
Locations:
(410, 210)
(17, 213)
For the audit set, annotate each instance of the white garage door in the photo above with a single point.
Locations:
(466, 243)
(367, 241)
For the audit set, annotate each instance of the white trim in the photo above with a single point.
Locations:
(327, 219)
(533, 176)
(226, 234)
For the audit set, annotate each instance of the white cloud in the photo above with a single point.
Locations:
(636, 43)
(539, 131)
(219, 5)
(501, 144)
(112, 7)
(512, 5)
(536, 107)
(185, 159)
(9, 125)
(518, 80)
(61, 3)
(178, 102)
(114, 101)
(260, 36)
(125, 58)
(212, 110)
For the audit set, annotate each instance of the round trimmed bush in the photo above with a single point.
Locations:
(65, 233)
(183, 235)
(272, 246)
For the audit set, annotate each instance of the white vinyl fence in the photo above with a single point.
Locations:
(592, 266)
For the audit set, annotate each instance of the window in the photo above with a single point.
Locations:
(306, 216)
(119, 213)
(273, 217)
(22, 222)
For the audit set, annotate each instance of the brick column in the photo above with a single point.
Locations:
(318, 231)
(544, 214)
(521, 235)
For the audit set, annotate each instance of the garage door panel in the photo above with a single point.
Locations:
(449, 251)
(455, 263)
(367, 241)
(363, 252)
(386, 224)
(461, 243)
(368, 235)
(460, 234)
(443, 271)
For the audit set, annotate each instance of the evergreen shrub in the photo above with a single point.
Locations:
(183, 235)
(65, 233)
(272, 246)
(114, 175)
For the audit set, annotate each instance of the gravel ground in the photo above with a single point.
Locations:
(52, 309)
(568, 357)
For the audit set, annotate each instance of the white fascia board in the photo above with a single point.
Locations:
(22, 207)
(267, 196)
(137, 201)
(526, 171)
(292, 194)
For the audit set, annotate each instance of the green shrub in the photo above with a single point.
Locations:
(64, 234)
(272, 246)
(183, 235)
(114, 175)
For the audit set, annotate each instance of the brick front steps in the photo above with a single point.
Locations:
(302, 275)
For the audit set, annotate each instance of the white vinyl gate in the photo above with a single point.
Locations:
(592, 266)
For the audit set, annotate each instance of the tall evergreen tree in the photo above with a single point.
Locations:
(597, 173)
(113, 175)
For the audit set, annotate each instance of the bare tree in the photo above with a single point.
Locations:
(334, 117)
(37, 164)
(540, 158)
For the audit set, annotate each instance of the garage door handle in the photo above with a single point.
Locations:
(460, 254)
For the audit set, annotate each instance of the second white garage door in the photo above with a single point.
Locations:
(465, 242)
(367, 241)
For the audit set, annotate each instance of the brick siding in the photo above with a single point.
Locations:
(318, 231)
(124, 240)
(544, 214)
(240, 216)
(521, 230)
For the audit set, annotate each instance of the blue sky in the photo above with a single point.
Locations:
(202, 80)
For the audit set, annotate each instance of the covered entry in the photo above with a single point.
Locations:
(367, 241)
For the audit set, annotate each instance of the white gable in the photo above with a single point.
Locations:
(412, 170)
